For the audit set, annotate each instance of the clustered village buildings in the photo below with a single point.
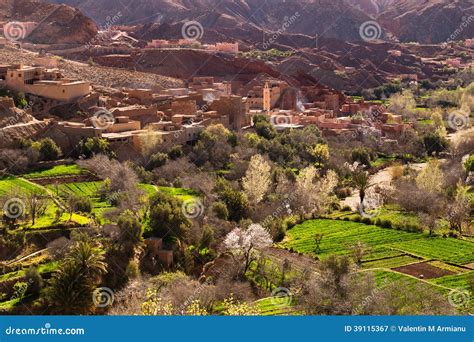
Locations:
(126, 117)
(177, 116)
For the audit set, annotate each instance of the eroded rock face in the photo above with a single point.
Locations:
(58, 24)
(236, 19)
(189, 63)
(10, 135)
(16, 124)
(10, 115)
(430, 22)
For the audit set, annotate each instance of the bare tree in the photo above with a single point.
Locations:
(430, 221)
(36, 205)
(359, 250)
(257, 180)
(314, 196)
(459, 210)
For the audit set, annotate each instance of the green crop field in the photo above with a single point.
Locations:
(444, 249)
(339, 236)
(275, 306)
(56, 171)
(182, 193)
(390, 262)
(16, 185)
(457, 281)
(88, 189)
(386, 277)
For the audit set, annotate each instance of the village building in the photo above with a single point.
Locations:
(235, 108)
(46, 83)
(224, 47)
(144, 115)
(469, 43)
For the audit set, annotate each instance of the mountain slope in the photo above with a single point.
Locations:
(409, 20)
(58, 24)
(430, 21)
(330, 18)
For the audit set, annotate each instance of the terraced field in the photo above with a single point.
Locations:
(182, 193)
(393, 255)
(339, 236)
(88, 189)
(16, 185)
(457, 281)
(56, 171)
(275, 306)
(449, 250)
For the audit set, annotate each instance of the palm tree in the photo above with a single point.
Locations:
(77, 277)
(361, 181)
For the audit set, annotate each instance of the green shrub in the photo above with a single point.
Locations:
(83, 204)
(175, 152)
(156, 160)
(34, 281)
(133, 269)
(19, 290)
(386, 224)
(367, 220)
(469, 164)
(220, 209)
(47, 149)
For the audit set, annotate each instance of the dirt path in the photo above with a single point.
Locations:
(382, 179)
(26, 257)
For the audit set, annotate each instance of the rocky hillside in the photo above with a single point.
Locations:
(408, 20)
(98, 75)
(237, 19)
(58, 24)
(430, 21)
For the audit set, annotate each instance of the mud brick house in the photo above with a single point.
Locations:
(68, 134)
(145, 115)
(235, 108)
(183, 105)
(154, 250)
(224, 47)
(46, 83)
(144, 96)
